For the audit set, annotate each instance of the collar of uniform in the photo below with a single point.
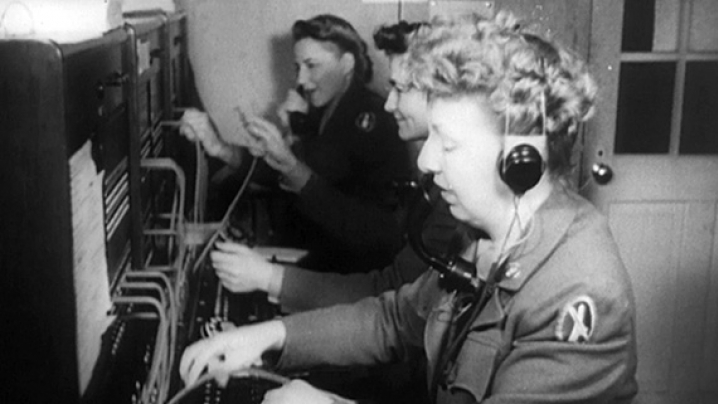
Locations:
(551, 223)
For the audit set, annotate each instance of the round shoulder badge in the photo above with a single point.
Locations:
(577, 320)
(366, 121)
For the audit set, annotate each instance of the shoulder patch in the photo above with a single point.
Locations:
(513, 270)
(366, 121)
(577, 320)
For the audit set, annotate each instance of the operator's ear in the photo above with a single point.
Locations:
(347, 62)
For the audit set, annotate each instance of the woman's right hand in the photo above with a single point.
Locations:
(301, 392)
(230, 351)
(293, 103)
(277, 152)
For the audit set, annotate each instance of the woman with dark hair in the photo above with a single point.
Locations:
(394, 39)
(341, 158)
(330, 28)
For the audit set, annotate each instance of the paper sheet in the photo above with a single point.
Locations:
(92, 289)
(64, 21)
(135, 5)
(281, 254)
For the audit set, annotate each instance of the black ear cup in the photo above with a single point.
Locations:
(522, 168)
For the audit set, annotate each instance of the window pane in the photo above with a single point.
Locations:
(704, 25)
(699, 127)
(645, 100)
(650, 25)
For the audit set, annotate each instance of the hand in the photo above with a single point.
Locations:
(296, 178)
(230, 351)
(293, 103)
(278, 154)
(195, 125)
(240, 269)
(298, 392)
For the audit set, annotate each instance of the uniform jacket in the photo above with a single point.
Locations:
(560, 328)
(349, 207)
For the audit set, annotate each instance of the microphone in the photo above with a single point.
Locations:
(456, 272)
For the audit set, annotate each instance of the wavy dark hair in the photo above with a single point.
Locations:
(330, 28)
(394, 39)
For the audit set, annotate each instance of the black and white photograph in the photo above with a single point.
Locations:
(359, 201)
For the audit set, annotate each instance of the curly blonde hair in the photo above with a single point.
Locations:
(519, 73)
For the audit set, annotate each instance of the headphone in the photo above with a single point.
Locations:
(522, 161)
(522, 164)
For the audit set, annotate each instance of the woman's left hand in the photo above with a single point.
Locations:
(301, 392)
(276, 151)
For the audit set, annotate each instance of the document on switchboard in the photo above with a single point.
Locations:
(92, 290)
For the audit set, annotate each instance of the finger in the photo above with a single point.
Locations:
(256, 130)
(225, 278)
(228, 285)
(227, 325)
(281, 164)
(221, 263)
(283, 116)
(216, 368)
(232, 247)
(222, 379)
(188, 131)
(195, 370)
(278, 145)
(294, 93)
(275, 165)
(218, 255)
(197, 121)
(185, 363)
(222, 274)
(256, 145)
(189, 356)
(189, 113)
(265, 128)
(257, 152)
(203, 353)
(229, 269)
(224, 368)
(226, 271)
(271, 396)
(223, 268)
(295, 102)
(254, 142)
(227, 258)
(255, 120)
(193, 119)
